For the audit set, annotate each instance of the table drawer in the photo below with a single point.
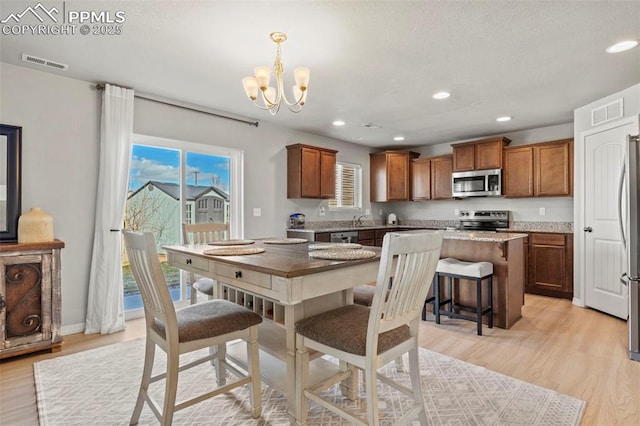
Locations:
(187, 262)
(244, 275)
(548, 239)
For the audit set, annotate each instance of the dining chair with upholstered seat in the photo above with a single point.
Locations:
(203, 233)
(176, 332)
(368, 338)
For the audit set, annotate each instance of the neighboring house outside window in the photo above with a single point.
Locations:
(157, 203)
(348, 187)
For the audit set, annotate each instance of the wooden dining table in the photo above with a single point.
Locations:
(284, 284)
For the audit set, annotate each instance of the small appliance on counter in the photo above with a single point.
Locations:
(392, 219)
(296, 221)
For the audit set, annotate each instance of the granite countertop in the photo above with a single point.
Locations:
(491, 237)
(515, 227)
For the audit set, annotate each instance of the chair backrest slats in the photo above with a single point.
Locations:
(147, 271)
(203, 233)
(408, 262)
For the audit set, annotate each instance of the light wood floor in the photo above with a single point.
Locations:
(579, 352)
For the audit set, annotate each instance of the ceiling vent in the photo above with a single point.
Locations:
(607, 112)
(44, 62)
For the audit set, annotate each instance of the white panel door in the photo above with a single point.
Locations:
(605, 256)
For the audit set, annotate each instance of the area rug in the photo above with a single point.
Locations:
(99, 387)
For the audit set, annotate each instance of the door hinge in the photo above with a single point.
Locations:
(635, 138)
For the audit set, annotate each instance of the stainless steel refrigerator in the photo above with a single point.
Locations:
(631, 177)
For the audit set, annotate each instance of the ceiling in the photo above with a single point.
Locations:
(371, 62)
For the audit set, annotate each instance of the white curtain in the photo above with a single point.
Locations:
(105, 310)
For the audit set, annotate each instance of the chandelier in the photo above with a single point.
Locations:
(273, 97)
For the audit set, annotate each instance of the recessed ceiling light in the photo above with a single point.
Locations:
(622, 46)
(398, 138)
(505, 118)
(357, 138)
(339, 123)
(441, 95)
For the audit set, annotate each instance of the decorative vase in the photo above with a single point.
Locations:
(35, 226)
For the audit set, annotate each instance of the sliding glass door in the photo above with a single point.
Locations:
(174, 182)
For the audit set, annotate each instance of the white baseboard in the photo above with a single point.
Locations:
(72, 329)
(578, 302)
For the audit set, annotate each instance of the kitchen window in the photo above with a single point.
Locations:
(348, 187)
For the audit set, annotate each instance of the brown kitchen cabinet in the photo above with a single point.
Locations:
(550, 265)
(441, 169)
(30, 298)
(421, 179)
(431, 178)
(539, 170)
(311, 172)
(390, 173)
(323, 237)
(479, 155)
(366, 237)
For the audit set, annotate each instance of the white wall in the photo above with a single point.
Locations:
(60, 118)
(558, 209)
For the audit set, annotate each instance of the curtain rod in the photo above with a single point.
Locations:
(100, 87)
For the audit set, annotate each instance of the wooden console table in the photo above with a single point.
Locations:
(30, 298)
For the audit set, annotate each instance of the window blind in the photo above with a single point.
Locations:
(348, 187)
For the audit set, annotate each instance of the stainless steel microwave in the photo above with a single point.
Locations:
(477, 183)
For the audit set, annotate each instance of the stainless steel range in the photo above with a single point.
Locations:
(483, 220)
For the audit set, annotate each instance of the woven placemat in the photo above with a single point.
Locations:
(284, 240)
(231, 242)
(233, 251)
(337, 246)
(342, 254)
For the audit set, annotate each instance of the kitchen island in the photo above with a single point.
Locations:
(507, 253)
(506, 250)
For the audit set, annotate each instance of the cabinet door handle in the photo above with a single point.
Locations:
(588, 229)
(238, 274)
(188, 262)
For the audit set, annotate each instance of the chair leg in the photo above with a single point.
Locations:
(400, 365)
(490, 313)
(302, 379)
(253, 368)
(436, 294)
(450, 288)
(349, 387)
(149, 355)
(479, 305)
(414, 367)
(373, 417)
(221, 371)
(171, 387)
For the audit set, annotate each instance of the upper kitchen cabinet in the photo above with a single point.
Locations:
(539, 170)
(311, 172)
(479, 155)
(441, 169)
(391, 175)
(421, 179)
(431, 178)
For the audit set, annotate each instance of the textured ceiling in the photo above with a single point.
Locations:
(371, 62)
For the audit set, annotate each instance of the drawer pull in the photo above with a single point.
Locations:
(188, 261)
(238, 274)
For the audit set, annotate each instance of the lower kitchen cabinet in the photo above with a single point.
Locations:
(30, 317)
(367, 237)
(550, 265)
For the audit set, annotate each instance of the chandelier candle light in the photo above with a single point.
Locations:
(273, 98)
